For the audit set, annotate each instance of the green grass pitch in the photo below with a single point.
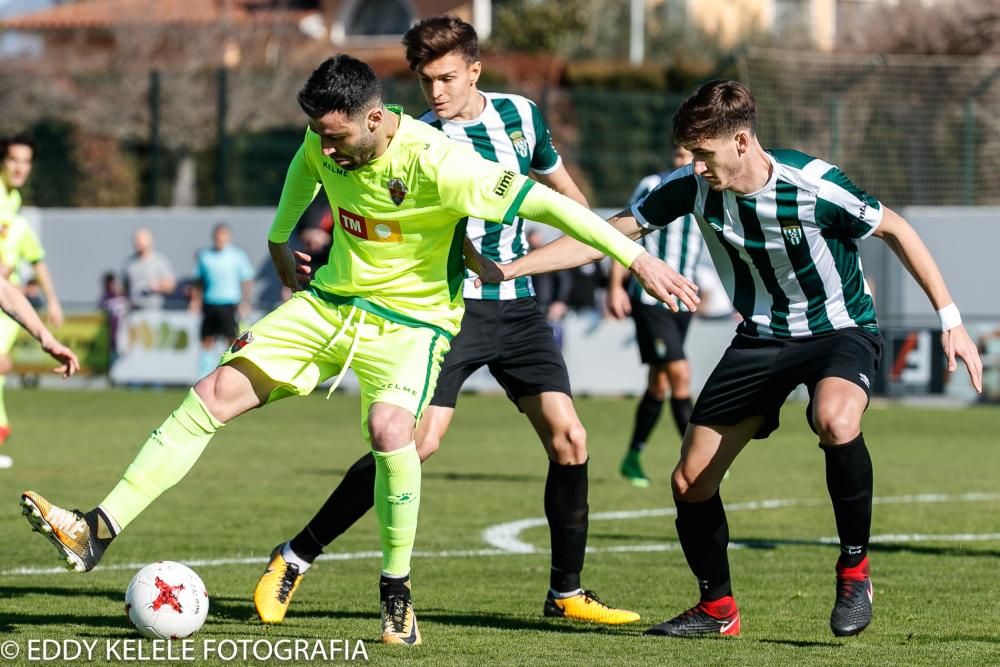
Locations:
(935, 573)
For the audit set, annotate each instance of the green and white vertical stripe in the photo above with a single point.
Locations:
(679, 244)
(510, 131)
(787, 254)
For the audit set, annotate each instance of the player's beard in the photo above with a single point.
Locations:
(364, 152)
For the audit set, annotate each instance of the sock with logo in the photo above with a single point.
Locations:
(646, 415)
(163, 461)
(681, 407)
(704, 536)
(566, 509)
(849, 479)
(397, 503)
(352, 498)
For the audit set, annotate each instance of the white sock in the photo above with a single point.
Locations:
(293, 558)
(559, 596)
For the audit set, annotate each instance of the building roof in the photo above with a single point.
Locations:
(112, 13)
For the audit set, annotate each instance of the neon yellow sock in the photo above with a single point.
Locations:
(397, 502)
(163, 461)
(3, 406)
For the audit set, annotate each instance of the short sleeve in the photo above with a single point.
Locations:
(674, 197)
(476, 187)
(644, 187)
(846, 209)
(545, 158)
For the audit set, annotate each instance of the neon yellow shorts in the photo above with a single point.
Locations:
(307, 340)
(9, 329)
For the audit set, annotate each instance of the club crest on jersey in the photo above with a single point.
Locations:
(241, 342)
(520, 142)
(397, 190)
(792, 232)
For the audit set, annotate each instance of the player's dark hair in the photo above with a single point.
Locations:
(16, 140)
(343, 84)
(438, 36)
(716, 109)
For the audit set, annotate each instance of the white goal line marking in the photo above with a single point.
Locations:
(513, 529)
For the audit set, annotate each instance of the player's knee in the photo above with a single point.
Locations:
(390, 429)
(835, 427)
(680, 379)
(569, 444)
(690, 487)
(427, 447)
(658, 383)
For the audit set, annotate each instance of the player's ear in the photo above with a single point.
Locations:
(374, 118)
(742, 142)
(475, 69)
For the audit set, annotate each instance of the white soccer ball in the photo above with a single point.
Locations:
(166, 600)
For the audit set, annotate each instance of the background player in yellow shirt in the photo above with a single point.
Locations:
(387, 304)
(18, 244)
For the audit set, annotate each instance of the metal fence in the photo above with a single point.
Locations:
(912, 131)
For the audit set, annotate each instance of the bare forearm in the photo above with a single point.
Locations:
(45, 282)
(568, 253)
(904, 241)
(19, 309)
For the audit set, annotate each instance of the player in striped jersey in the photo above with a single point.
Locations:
(503, 329)
(782, 228)
(659, 332)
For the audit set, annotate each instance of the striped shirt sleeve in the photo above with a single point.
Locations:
(846, 209)
(545, 158)
(673, 198)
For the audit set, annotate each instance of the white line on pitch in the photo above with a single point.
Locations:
(507, 536)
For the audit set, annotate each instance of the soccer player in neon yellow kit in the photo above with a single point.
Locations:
(386, 305)
(18, 244)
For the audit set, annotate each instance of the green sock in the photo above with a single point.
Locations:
(163, 461)
(397, 502)
(3, 406)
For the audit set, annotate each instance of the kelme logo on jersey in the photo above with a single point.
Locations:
(397, 190)
(503, 185)
(385, 231)
(520, 142)
(241, 342)
(792, 231)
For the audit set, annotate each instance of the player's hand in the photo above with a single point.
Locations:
(69, 363)
(618, 302)
(285, 265)
(957, 343)
(486, 270)
(664, 283)
(303, 266)
(54, 314)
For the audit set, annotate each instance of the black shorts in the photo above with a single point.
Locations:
(660, 333)
(514, 340)
(756, 375)
(218, 321)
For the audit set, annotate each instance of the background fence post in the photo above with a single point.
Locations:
(222, 153)
(154, 137)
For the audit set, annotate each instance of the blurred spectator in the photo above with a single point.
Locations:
(221, 292)
(33, 292)
(148, 275)
(114, 305)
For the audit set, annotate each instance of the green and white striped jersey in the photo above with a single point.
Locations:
(787, 254)
(679, 244)
(511, 131)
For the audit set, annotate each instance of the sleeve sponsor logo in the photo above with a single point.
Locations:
(503, 185)
(386, 231)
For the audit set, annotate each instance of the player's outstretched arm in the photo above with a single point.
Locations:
(911, 250)
(16, 305)
(591, 239)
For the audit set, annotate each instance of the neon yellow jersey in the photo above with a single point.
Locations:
(399, 221)
(18, 243)
(10, 200)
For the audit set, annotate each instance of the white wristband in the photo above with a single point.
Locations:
(950, 317)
